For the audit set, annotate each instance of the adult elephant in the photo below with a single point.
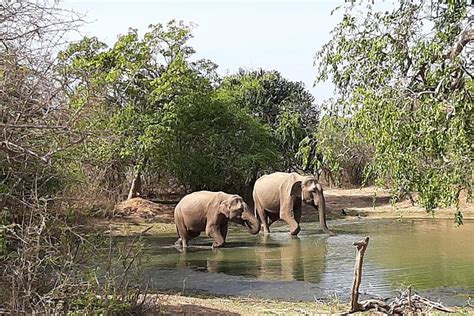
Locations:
(279, 195)
(211, 212)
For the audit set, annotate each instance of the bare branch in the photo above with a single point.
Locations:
(32, 126)
(11, 147)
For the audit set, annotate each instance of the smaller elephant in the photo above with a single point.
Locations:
(211, 212)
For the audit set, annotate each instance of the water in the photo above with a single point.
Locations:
(433, 256)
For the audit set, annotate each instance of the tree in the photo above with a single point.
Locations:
(286, 106)
(404, 78)
(138, 84)
(333, 153)
(216, 145)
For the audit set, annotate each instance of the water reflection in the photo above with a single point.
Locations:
(291, 258)
(277, 257)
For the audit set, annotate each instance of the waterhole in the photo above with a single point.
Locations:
(433, 256)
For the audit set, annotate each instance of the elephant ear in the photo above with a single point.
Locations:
(295, 189)
(317, 190)
(224, 208)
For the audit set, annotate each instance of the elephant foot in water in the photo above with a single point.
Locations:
(295, 231)
(179, 246)
(217, 245)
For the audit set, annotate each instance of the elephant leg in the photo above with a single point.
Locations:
(272, 217)
(214, 232)
(182, 232)
(297, 210)
(262, 214)
(297, 215)
(185, 237)
(223, 230)
(288, 216)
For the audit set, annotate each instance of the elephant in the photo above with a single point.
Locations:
(211, 212)
(279, 196)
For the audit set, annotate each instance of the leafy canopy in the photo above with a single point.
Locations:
(404, 79)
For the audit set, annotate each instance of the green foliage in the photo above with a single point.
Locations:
(409, 96)
(162, 113)
(216, 145)
(136, 87)
(333, 152)
(285, 106)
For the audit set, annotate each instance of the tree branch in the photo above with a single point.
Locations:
(32, 126)
(466, 37)
(9, 146)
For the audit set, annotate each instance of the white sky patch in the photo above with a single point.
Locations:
(273, 35)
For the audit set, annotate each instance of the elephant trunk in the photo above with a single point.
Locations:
(251, 222)
(322, 210)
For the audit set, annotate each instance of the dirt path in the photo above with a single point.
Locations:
(376, 204)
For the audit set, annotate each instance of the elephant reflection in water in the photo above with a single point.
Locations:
(295, 260)
(210, 261)
(238, 262)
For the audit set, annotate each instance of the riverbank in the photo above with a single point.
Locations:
(373, 203)
(134, 216)
(175, 304)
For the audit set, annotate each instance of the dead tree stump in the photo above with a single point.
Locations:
(406, 303)
(360, 246)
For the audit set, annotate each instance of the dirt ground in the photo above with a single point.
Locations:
(175, 304)
(375, 203)
(138, 215)
(186, 305)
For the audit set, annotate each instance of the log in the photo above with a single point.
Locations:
(361, 246)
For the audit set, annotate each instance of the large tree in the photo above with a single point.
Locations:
(136, 86)
(159, 112)
(404, 77)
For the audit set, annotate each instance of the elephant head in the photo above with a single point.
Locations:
(237, 211)
(311, 193)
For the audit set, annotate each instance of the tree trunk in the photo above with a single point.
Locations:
(136, 186)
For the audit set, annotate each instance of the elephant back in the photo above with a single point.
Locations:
(269, 189)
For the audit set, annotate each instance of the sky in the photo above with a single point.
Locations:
(272, 35)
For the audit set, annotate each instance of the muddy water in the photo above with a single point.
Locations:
(433, 256)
